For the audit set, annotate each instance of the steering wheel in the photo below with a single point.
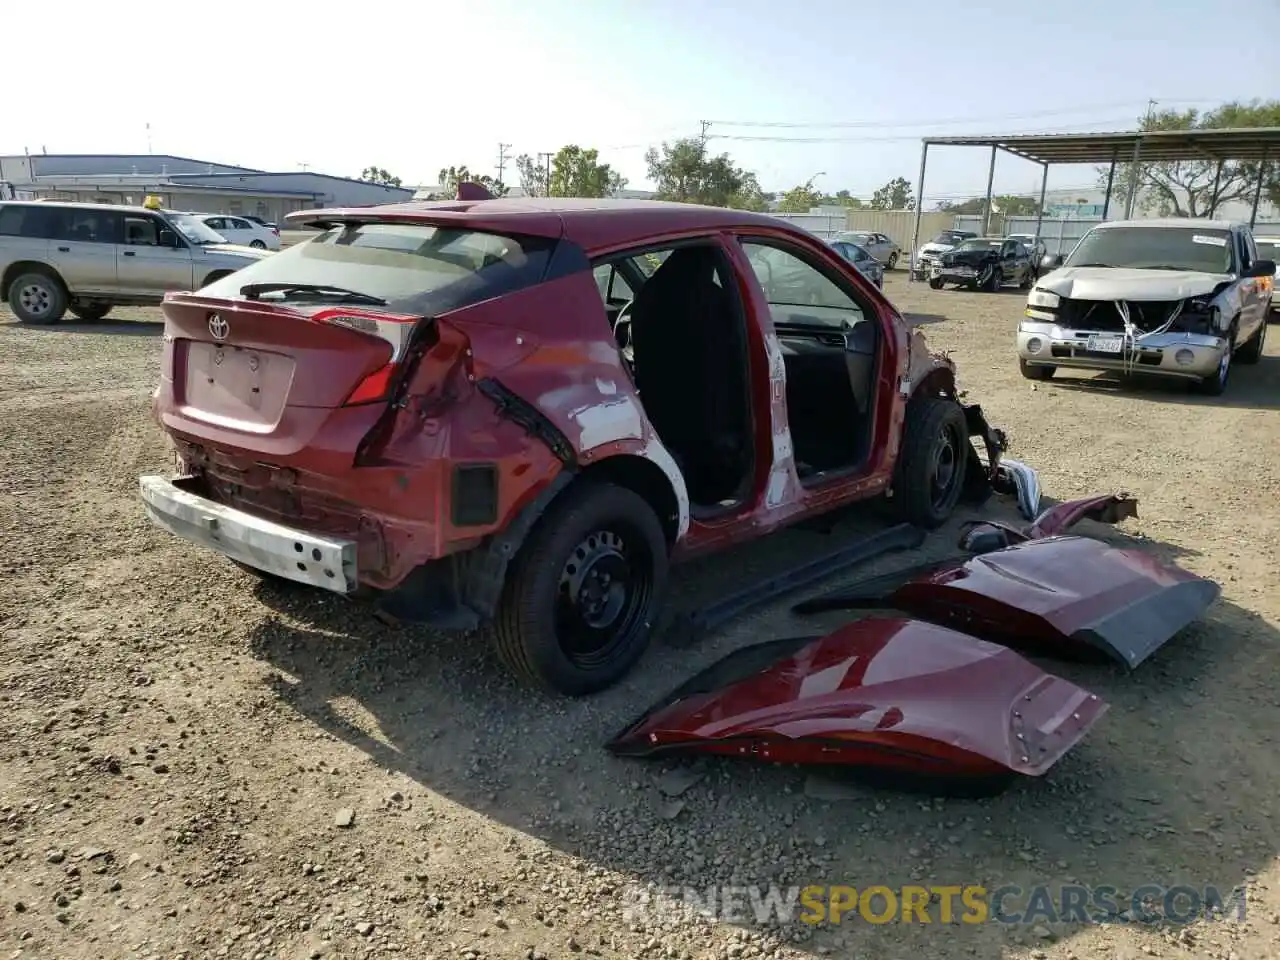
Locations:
(622, 332)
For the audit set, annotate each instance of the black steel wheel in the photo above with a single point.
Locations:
(604, 586)
(933, 459)
(584, 592)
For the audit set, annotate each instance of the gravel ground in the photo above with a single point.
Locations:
(195, 765)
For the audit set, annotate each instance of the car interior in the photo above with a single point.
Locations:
(829, 342)
(681, 332)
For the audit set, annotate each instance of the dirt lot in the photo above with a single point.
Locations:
(179, 742)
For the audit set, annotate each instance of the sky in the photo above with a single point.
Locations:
(832, 89)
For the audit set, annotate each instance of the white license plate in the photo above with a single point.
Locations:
(1106, 344)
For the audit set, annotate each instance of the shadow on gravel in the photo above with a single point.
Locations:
(126, 328)
(1173, 786)
(1251, 387)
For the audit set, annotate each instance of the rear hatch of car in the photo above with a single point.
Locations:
(315, 339)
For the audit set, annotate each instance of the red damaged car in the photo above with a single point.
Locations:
(520, 412)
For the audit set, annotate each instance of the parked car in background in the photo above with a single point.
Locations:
(1269, 249)
(520, 413)
(264, 223)
(983, 263)
(877, 244)
(243, 231)
(90, 257)
(864, 262)
(1035, 245)
(928, 254)
(1176, 298)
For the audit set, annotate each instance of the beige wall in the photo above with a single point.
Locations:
(898, 225)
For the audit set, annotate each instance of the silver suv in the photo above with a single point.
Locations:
(90, 257)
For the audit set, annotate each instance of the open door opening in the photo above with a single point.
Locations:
(830, 344)
(681, 330)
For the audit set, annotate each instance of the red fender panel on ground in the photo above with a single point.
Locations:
(883, 693)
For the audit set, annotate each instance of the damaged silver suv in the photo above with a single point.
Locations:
(1177, 298)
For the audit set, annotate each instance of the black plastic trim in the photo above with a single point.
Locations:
(534, 422)
(688, 628)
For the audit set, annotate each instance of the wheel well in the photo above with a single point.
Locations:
(16, 270)
(939, 380)
(645, 478)
(216, 275)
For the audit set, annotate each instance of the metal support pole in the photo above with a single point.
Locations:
(1213, 197)
(991, 179)
(1044, 188)
(1257, 187)
(915, 233)
(1111, 179)
(1133, 180)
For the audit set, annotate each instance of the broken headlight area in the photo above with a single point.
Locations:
(1198, 315)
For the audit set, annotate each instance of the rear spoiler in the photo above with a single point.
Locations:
(468, 192)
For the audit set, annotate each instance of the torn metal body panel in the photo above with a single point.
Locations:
(987, 535)
(891, 694)
(1058, 596)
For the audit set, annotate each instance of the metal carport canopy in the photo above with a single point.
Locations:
(1244, 143)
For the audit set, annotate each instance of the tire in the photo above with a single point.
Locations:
(1215, 385)
(893, 261)
(38, 298)
(90, 312)
(1251, 352)
(216, 275)
(995, 281)
(935, 284)
(931, 424)
(1034, 372)
(258, 245)
(1028, 279)
(592, 531)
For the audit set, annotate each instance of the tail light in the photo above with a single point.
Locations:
(394, 329)
(275, 231)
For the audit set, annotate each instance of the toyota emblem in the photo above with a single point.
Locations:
(218, 327)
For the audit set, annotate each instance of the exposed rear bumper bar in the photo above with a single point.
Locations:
(319, 561)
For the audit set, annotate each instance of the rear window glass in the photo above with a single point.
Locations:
(417, 268)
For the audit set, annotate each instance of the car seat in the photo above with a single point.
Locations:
(690, 376)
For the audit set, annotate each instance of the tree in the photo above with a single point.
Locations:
(1185, 188)
(1006, 204)
(578, 172)
(684, 172)
(450, 177)
(380, 175)
(750, 196)
(800, 199)
(533, 178)
(843, 198)
(894, 195)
